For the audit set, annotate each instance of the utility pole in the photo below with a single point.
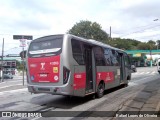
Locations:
(150, 56)
(23, 45)
(110, 32)
(2, 60)
(23, 39)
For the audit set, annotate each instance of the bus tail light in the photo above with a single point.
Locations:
(65, 75)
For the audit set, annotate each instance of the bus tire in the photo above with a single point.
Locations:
(100, 90)
(126, 85)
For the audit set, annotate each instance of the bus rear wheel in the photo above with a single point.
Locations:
(100, 90)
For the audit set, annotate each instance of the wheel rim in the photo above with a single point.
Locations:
(101, 89)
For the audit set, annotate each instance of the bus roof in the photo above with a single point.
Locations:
(91, 41)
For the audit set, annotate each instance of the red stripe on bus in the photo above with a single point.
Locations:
(106, 76)
(79, 81)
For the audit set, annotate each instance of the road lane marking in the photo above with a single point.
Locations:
(153, 72)
(142, 73)
(10, 81)
(147, 72)
(152, 77)
(9, 86)
(132, 83)
(13, 91)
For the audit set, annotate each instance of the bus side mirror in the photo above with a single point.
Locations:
(133, 68)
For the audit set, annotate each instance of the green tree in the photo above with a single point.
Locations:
(158, 44)
(151, 42)
(126, 44)
(19, 65)
(89, 30)
(145, 46)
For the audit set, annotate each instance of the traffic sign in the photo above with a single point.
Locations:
(28, 37)
(22, 43)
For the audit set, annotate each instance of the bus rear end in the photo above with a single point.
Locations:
(45, 71)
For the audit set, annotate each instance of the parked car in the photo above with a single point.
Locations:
(158, 65)
(7, 76)
(133, 68)
(0, 74)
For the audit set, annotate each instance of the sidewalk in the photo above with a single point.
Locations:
(13, 84)
(144, 105)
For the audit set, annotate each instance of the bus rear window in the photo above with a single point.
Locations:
(46, 46)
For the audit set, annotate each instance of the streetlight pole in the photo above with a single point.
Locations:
(110, 32)
(2, 60)
(150, 57)
(23, 63)
(157, 41)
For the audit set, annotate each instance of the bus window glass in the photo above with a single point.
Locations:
(107, 56)
(99, 56)
(127, 62)
(77, 51)
(114, 56)
(46, 46)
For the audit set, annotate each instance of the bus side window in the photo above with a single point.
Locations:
(99, 56)
(107, 56)
(114, 58)
(127, 61)
(77, 51)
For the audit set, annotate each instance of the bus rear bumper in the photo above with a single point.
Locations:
(58, 90)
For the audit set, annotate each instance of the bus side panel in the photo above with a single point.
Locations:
(79, 82)
(110, 75)
(106, 76)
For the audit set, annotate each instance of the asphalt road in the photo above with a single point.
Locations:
(15, 97)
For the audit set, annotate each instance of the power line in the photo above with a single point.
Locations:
(140, 31)
(149, 36)
(146, 26)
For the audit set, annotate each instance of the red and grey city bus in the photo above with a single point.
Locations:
(70, 65)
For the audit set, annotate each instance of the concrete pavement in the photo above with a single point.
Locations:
(144, 104)
(131, 105)
(13, 84)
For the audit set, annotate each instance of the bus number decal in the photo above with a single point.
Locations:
(54, 63)
(79, 80)
(78, 76)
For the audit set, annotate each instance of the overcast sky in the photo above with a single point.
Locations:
(128, 18)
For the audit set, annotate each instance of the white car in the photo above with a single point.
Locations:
(7, 76)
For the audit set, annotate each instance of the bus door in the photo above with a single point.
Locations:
(122, 67)
(89, 68)
(127, 64)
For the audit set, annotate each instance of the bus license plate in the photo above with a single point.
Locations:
(43, 75)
